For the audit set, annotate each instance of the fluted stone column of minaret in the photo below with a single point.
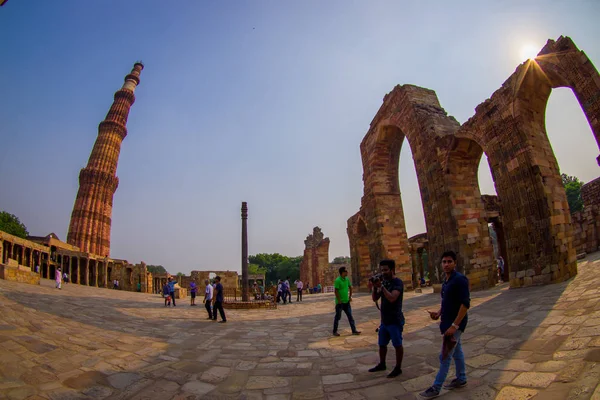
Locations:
(91, 218)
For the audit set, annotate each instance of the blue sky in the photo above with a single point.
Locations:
(257, 101)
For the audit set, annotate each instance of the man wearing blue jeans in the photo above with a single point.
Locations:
(456, 301)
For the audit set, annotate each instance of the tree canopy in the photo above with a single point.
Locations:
(275, 266)
(573, 188)
(9, 223)
(156, 269)
(341, 260)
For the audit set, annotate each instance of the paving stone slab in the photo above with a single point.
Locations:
(267, 382)
(337, 379)
(123, 380)
(198, 388)
(534, 379)
(513, 393)
(482, 360)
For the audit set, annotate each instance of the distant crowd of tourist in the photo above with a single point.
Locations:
(213, 297)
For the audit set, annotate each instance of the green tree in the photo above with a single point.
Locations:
(156, 269)
(341, 260)
(573, 188)
(9, 223)
(254, 269)
(180, 274)
(277, 266)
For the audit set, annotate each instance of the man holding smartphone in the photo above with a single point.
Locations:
(456, 301)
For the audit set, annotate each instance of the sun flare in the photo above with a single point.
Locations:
(528, 52)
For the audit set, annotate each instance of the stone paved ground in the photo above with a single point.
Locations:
(88, 343)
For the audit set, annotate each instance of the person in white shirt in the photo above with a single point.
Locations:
(299, 287)
(279, 290)
(208, 295)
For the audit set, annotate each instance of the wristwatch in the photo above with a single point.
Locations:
(454, 325)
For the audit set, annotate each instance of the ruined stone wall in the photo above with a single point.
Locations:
(360, 257)
(590, 193)
(18, 273)
(333, 271)
(586, 223)
(315, 259)
(586, 229)
(229, 279)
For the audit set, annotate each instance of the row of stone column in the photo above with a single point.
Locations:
(22, 256)
(83, 265)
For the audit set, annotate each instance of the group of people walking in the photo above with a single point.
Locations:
(387, 288)
(213, 297)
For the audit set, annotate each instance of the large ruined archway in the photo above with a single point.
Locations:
(414, 114)
(510, 128)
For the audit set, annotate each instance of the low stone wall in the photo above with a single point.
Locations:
(585, 229)
(586, 223)
(590, 193)
(249, 305)
(19, 274)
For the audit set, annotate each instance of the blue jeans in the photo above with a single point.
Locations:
(345, 307)
(459, 363)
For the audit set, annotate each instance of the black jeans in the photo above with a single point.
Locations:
(299, 295)
(172, 294)
(207, 306)
(345, 307)
(219, 306)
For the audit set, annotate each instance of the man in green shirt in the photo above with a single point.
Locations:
(343, 297)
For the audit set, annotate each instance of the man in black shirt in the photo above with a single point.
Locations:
(391, 291)
(456, 300)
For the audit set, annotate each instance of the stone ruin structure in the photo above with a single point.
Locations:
(333, 271)
(315, 260)
(19, 257)
(90, 224)
(509, 128)
(418, 247)
(586, 223)
(229, 279)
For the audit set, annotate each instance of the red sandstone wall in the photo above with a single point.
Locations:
(586, 223)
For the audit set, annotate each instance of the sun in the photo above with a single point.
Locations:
(528, 51)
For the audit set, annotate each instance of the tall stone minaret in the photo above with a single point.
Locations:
(91, 218)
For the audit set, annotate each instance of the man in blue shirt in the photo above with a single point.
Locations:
(218, 301)
(456, 300)
(172, 289)
(391, 292)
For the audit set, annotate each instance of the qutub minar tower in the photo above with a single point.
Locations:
(91, 218)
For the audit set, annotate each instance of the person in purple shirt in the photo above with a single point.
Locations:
(218, 301)
(167, 294)
(193, 290)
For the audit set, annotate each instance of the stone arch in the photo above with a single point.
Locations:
(510, 127)
(461, 165)
(415, 114)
